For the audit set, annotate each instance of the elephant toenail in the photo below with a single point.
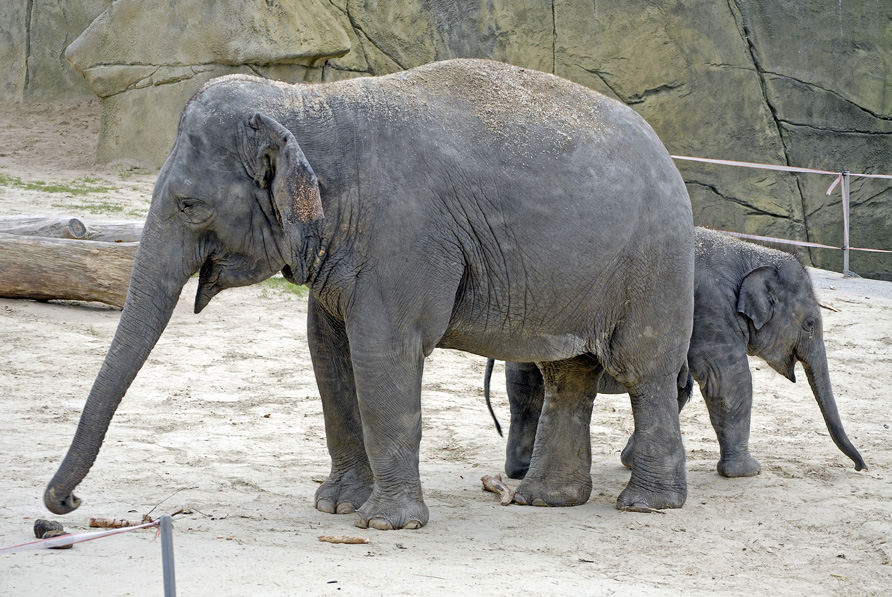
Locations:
(381, 524)
(539, 502)
(346, 508)
(325, 506)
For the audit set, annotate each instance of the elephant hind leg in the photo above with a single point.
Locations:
(685, 389)
(658, 473)
(560, 467)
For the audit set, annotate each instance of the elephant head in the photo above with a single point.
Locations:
(237, 201)
(785, 326)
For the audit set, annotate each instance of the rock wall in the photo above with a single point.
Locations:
(777, 81)
(33, 38)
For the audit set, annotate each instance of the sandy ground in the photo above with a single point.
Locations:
(225, 421)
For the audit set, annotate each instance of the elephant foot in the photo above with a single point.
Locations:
(741, 466)
(635, 499)
(393, 512)
(540, 492)
(626, 456)
(343, 494)
(516, 469)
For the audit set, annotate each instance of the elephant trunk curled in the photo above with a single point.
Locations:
(151, 298)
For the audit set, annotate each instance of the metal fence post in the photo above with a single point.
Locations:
(170, 587)
(846, 272)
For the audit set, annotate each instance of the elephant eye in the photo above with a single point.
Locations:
(195, 211)
(809, 324)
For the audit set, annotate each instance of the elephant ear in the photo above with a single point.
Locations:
(275, 161)
(758, 295)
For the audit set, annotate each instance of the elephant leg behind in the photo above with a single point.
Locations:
(560, 465)
(350, 482)
(559, 470)
(526, 394)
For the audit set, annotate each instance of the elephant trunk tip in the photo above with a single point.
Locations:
(60, 506)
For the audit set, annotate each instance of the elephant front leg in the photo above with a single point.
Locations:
(350, 482)
(658, 470)
(560, 467)
(727, 388)
(389, 388)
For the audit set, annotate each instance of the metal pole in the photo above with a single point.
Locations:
(170, 587)
(845, 222)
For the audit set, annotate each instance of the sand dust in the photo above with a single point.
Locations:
(224, 420)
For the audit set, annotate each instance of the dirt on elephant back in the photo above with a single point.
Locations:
(224, 424)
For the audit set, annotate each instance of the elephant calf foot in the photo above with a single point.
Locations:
(743, 465)
(343, 494)
(393, 512)
(541, 492)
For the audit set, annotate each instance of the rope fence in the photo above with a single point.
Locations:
(842, 179)
(165, 528)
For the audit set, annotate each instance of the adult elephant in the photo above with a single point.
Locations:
(458, 198)
(748, 300)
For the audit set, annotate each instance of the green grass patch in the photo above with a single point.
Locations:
(279, 285)
(127, 173)
(93, 207)
(78, 186)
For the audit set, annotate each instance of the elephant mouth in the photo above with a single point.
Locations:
(786, 367)
(208, 285)
(230, 271)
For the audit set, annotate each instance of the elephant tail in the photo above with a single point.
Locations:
(490, 363)
(685, 386)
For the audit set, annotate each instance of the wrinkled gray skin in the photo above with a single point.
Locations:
(439, 207)
(748, 300)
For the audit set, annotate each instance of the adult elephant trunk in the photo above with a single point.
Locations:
(814, 361)
(159, 274)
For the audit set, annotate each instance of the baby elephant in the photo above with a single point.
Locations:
(748, 300)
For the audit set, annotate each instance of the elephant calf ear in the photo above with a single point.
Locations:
(274, 159)
(757, 295)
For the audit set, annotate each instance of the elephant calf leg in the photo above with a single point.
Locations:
(729, 397)
(560, 467)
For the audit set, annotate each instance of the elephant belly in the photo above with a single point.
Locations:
(520, 336)
(507, 348)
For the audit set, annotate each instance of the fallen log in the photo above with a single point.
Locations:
(52, 268)
(113, 231)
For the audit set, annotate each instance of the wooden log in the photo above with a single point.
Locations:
(51, 268)
(113, 231)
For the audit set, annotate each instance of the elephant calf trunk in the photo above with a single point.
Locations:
(819, 379)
